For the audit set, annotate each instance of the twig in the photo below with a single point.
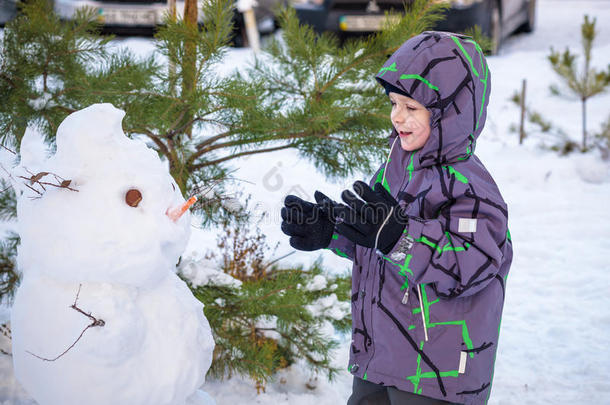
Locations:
(35, 179)
(278, 259)
(33, 189)
(63, 185)
(95, 322)
(10, 150)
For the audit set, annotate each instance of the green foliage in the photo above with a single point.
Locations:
(602, 139)
(551, 137)
(8, 201)
(536, 118)
(275, 316)
(265, 324)
(322, 98)
(585, 84)
(484, 41)
(39, 52)
(9, 277)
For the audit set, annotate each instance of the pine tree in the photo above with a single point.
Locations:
(303, 92)
(585, 84)
(9, 276)
(273, 315)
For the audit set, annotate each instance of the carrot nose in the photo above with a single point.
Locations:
(175, 213)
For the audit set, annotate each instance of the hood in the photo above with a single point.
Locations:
(448, 74)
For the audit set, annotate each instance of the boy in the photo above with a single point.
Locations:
(429, 241)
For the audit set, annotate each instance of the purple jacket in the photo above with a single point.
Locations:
(426, 316)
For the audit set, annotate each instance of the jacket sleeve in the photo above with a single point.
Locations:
(341, 246)
(459, 252)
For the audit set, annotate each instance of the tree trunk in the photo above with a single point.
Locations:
(522, 122)
(189, 64)
(179, 175)
(584, 124)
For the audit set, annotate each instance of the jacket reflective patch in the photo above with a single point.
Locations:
(462, 367)
(467, 225)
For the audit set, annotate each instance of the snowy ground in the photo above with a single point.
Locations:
(555, 339)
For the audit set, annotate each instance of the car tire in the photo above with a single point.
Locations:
(238, 36)
(495, 26)
(530, 23)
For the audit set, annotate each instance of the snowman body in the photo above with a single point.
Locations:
(100, 316)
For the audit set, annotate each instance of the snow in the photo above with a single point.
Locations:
(329, 306)
(317, 283)
(245, 5)
(555, 338)
(42, 101)
(203, 271)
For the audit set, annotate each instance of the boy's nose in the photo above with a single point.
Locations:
(404, 118)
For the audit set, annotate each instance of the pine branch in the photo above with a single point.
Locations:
(227, 158)
(153, 137)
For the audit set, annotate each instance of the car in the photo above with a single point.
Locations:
(141, 17)
(120, 16)
(133, 16)
(8, 11)
(497, 18)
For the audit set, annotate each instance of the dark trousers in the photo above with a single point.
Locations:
(367, 393)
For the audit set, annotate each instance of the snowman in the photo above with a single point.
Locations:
(100, 316)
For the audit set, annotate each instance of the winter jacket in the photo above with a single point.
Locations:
(426, 316)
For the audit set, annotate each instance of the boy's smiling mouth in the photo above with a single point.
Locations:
(404, 133)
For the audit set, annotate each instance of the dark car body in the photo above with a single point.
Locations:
(497, 18)
(141, 17)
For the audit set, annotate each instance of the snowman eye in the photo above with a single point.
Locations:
(133, 197)
(173, 187)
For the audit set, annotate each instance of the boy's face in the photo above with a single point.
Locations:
(411, 120)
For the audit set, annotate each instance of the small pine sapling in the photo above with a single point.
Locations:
(585, 84)
(560, 142)
(602, 140)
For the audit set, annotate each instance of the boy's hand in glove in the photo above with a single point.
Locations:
(375, 220)
(307, 224)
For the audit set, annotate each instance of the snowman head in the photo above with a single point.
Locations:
(118, 224)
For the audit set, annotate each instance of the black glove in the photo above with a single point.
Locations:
(307, 224)
(375, 221)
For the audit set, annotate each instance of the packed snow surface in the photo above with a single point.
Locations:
(100, 316)
(555, 338)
